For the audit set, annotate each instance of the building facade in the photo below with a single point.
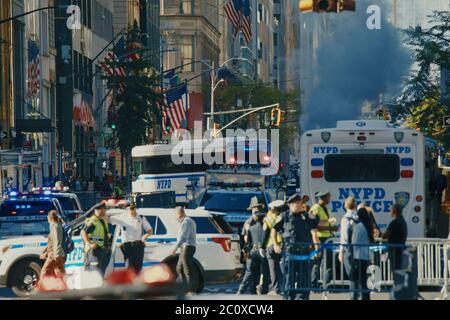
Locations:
(28, 101)
(81, 90)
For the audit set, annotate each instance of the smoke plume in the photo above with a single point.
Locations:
(353, 65)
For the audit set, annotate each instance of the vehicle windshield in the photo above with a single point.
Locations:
(68, 203)
(360, 167)
(229, 201)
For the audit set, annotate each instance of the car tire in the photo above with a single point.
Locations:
(24, 278)
(172, 263)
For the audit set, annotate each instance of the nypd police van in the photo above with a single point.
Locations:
(373, 161)
(217, 258)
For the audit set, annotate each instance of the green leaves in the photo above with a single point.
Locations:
(136, 105)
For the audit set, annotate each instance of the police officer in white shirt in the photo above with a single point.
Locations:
(135, 231)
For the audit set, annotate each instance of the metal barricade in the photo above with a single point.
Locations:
(426, 260)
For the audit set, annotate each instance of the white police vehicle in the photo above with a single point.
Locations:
(230, 192)
(69, 201)
(373, 161)
(22, 216)
(217, 258)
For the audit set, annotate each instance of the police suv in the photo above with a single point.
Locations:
(26, 216)
(230, 192)
(217, 258)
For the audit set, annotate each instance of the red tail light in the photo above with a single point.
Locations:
(224, 242)
(157, 275)
(407, 174)
(317, 174)
(127, 276)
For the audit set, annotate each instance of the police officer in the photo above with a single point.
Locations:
(96, 239)
(273, 245)
(257, 261)
(321, 235)
(296, 226)
(255, 206)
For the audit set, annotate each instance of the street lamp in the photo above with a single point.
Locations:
(214, 86)
(33, 11)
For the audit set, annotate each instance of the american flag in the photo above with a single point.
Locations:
(120, 56)
(34, 71)
(238, 11)
(175, 111)
(246, 22)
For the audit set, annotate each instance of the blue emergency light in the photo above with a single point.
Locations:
(407, 162)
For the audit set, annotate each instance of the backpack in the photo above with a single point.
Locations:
(68, 244)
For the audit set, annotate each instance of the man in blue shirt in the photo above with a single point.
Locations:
(187, 241)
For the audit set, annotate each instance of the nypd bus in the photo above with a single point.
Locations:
(155, 171)
(373, 161)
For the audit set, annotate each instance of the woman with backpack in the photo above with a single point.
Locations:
(54, 254)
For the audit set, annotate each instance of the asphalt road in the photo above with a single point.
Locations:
(228, 291)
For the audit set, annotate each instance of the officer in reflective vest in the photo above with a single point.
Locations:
(273, 245)
(96, 239)
(296, 227)
(324, 232)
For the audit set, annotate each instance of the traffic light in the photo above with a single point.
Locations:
(327, 5)
(168, 128)
(113, 126)
(282, 117)
(276, 117)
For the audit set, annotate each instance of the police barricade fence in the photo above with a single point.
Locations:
(306, 269)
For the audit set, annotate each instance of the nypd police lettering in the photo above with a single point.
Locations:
(325, 150)
(373, 197)
(164, 184)
(398, 150)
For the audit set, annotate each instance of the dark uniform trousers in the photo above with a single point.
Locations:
(298, 277)
(298, 240)
(276, 275)
(134, 253)
(256, 264)
(324, 265)
(255, 267)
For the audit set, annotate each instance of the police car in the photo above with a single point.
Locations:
(23, 216)
(217, 258)
(230, 192)
(69, 201)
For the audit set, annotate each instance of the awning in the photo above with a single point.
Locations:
(11, 158)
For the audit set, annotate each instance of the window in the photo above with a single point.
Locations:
(186, 7)
(229, 201)
(44, 33)
(164, 165)
(260, 13)
(205, 225)
(157, 225)
(361, 167)
(187, 53)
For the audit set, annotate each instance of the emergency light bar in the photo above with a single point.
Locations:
(116, 203)
(235, 184)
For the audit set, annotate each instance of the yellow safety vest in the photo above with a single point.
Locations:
(270, 221)
(319, 211)
(99, 235)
